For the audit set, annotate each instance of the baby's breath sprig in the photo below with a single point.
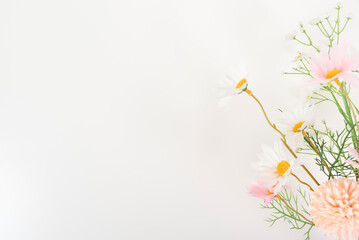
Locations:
(302, 69)
(332, 30)
(309, 41)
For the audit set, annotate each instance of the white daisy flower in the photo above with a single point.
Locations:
(233, 84)
(295, 121)
(274, 165)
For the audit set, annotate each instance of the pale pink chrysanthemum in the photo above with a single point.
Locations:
(334, 208)
(327, 68)
(355, 155)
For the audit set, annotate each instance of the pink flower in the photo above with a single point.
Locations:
(355, 155)
(334, 208)
(259, 190)
(336, 65)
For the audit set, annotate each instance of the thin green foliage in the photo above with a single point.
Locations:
(280, 211)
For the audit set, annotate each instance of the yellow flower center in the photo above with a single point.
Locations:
(269, 192)
(297, 126)
(332, 73)
(282, 167)
(241, 83)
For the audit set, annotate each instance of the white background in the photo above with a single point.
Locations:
(109, 124)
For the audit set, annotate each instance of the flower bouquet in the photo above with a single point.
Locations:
(331, 205)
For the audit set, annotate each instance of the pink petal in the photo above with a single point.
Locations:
(277, 188)
(354, 82)
(269, 199)
(350, 162)
(350, 77)
(354, 153)
(257, 189)
(338, 55)
(314, 81)
(317, 64)
(351, 64)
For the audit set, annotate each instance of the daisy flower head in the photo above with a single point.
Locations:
(294, 122)
(260, 190)
(274, 165)
(233, 84)
(334, 67)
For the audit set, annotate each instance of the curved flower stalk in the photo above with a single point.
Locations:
(284, 139)
(244, 85)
